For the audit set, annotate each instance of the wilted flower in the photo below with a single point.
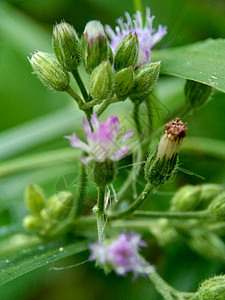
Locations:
(147, 35)
(122, 255)
(103, 142)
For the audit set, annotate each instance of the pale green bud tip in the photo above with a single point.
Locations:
(66, 45)
(161, 163)
(170, 143)
(212, 289)
(65, 198)
(34, 198)
(126, 52)
(94, 30)
(196, 94)
(49, 71)
(32, 222)
(101, 81)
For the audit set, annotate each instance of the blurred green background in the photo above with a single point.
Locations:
(34, 119)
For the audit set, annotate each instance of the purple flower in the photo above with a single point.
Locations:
(103, 140)
(122, 255)
(147, 35)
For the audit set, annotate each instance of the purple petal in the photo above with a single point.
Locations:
(86, 126)
(75, 142)
(127, 135)
(122, 152)
(94, 122)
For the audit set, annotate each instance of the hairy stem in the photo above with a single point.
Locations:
(81, 190)
(138, 202)
(80, 83)
(172, 215)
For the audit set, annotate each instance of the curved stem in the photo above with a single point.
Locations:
(76, 97)
(80, 83)
(138, 202)
(105, 104)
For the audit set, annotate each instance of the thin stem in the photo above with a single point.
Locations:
(136, 111)
(161, 286)
(76, 97)
(81, 190)
(91, 103)
(172, 215)
(138, 202)
(101, 213)
(149, 113)
(80, 83)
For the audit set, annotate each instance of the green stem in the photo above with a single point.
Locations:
(138, 202)
(105, 104)
(80, 83)
(172, 215)
(136, 111)
(76, 97)
(137, 5)
(91, 104)
(81, 190)
(167, 291)
(100, 213)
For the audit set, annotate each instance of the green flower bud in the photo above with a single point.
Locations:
(163, 232)
(95, 45)
(123, 83)
(66, 45)
(217, 206)
(196, 94)
(186, 198)
(58, 206)
(162, 161)
(32, 222)
(126, 52)
(102, 173)
(212, 289)
(34, 198)
(101, 80)
(207, 244)
(144, 79)
(209, 192)
(49, 71)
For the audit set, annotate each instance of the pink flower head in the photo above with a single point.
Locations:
(147, 35)
(122, 255)
(103, 140)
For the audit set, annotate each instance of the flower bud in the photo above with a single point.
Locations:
(58, 206)
(217, 206)
(32, 222)
(101, 80)
(161, 163)
(34, 198)
(95, 45)
(102, 173)
(196, 94)
(212, 289)
(186, 198)
(66, 45)
(126, 52)
(209, 191)
(49, 71)
(145, 77)
(123, 83)
(207, 244)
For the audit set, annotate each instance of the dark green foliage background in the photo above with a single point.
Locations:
(26, 25)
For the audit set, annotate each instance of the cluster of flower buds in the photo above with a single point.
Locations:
(46, 214)
(121, 66)
(195, 197)
(162, 161)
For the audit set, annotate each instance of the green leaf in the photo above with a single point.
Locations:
(26, 260)
(202, 61)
